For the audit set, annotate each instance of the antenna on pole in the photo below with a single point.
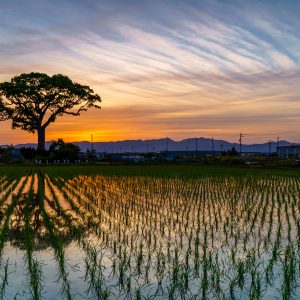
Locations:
(240, 140)
(213, 145)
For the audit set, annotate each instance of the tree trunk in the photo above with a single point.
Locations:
(41, 140)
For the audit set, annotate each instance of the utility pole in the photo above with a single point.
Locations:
(277, 146)
(240, 140)
(270, 146)
(92, 143)
(213, 145)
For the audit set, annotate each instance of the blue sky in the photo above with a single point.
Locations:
(163, 68)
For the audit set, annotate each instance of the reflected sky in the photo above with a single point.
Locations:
(157, 237)
(163, 68)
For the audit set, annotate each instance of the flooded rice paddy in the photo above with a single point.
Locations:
(138, 237)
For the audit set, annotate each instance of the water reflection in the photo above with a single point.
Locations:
(33, 226)
(28, 216)
(160, 238)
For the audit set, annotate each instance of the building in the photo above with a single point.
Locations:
(129, 158)
(289, 151)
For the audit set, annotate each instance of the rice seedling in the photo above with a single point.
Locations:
(4, 279)
(225, 235)
(34, 268)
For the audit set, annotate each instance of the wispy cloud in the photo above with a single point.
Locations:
(202, 67)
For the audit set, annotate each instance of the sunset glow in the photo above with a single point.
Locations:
(172, 69)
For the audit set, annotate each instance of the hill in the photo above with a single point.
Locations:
(156, 145)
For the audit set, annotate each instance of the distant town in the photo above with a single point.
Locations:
(156, 150)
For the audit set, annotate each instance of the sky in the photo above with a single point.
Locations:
(176, 69)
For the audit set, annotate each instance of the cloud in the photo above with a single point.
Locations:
(224, 63)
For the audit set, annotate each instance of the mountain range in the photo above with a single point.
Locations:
(156, 145)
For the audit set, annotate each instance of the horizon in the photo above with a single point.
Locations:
(160, 139)
(171, 69)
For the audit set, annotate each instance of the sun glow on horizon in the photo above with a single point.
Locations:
(171, 69)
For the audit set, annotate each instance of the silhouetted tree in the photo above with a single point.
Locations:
(34, 100)
(232, 152)
(5, 154)
(91, 155)
(28, 153)
(62, 150)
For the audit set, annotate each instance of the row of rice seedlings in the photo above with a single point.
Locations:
(176, 238)
(55, 240)
(4, 278)
(289, 272)
(94, 268)
(139, 255)
(258, 213)
(5, 183)
(9, 187)
(85, 216)
(34, 267)
(8, 212)
(94, 275)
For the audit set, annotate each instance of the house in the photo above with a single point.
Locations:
(289, 151)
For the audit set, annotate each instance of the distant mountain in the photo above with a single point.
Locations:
(203, 144)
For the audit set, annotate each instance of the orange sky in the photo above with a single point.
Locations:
(219, 70)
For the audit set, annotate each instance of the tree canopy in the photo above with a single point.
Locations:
(62, 150)
(35, 100)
